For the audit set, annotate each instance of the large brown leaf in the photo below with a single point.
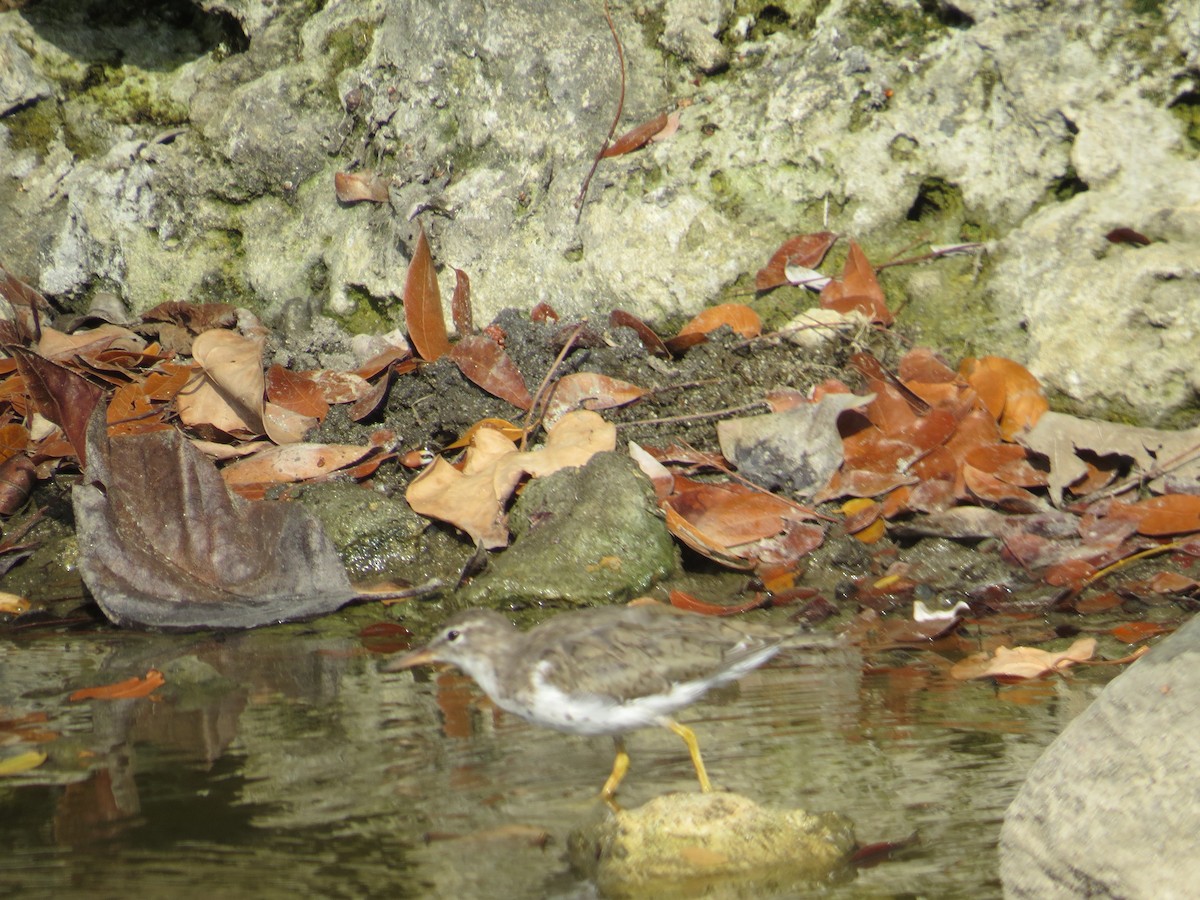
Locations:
(63, 397)
(423, 303)
(163, 543)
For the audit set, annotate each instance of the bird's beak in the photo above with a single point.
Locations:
(422, 657)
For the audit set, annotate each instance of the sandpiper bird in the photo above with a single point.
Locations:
(601, 671)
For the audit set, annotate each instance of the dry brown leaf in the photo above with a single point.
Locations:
(486, 364)
(354, 187)
(294, 462)
(805, 250)
(1162, 516)
(1021, 663)
(636, 138)
(589, 390)
(230, 396)
(163, 544)
(460, 304)
(857, 290)
(296, 392)
(474, 498)
(1060, 438)
(423, 303)
(618, 318)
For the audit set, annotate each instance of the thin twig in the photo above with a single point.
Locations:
(757, 405)
(1176, 462)
(612, 129)
(540, 396)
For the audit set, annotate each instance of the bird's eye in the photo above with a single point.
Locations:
(452, 635)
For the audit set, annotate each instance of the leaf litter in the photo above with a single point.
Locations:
(909, 444)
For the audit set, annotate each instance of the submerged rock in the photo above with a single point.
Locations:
(687, 845)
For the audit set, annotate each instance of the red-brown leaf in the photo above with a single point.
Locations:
(636, 138)
(423, 303)
(618, 318)
(460, 304)
(857, 290)
(805, 250)
(296, 392)
(63, 397)
(485, 363)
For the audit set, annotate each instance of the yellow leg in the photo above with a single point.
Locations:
(620, 767)
(689, 738)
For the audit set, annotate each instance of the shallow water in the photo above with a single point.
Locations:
(282, 763)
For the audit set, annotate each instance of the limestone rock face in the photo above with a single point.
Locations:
(194, 159)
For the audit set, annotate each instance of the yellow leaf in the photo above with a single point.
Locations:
(22, 762)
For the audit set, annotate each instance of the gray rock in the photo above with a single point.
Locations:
(20, 83)
(582, 536)
(1111, 809)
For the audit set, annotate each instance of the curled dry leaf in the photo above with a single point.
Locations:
(473, 499)
(63, 397)
(423, 303)
(354, 187)
(164, 544)
(857, 290)
(589, 390)
(638, 137)
(618, 318)
(805, 250)
(230, 395)
(1010, 665)
(738, 316)
(486, 364)
(128, 689)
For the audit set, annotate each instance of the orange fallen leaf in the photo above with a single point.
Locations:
(864, 519)
(122, 690)
(618, 318)
(486, 364)
(1160, 516)
(680, 600)
(1020, 663)
(589, 390)
(1134, 632)
(461, 312)
(296, 392)
(292, 462)
(636, 138)
(738, 316)
(1009, 391)
(805, 250)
